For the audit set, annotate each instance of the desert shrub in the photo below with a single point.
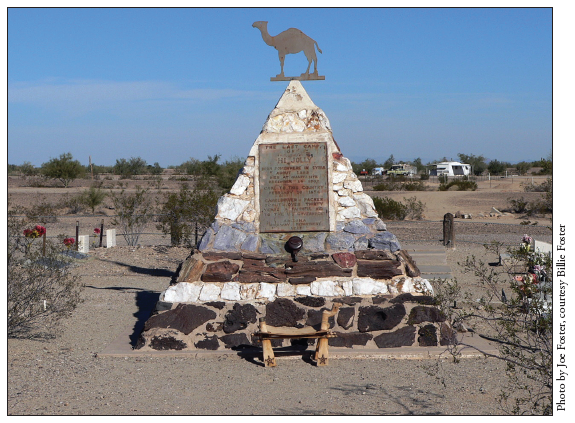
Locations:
(386, 186)
(518, 205)
(64, 169)
(134, 212)
(74, 203)
(460, 184)
(390, 209)
(42, 212)
(518, 319)
(543, 205)
(40, 288)
(128, 168)
(400, 186)
(424, 177)
(182, 211)
(92, 197)
(413, 186)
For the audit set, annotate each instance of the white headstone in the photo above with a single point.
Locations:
(83, 243)
(543, 247)
(110, 238)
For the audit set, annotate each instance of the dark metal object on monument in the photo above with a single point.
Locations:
(293, 187)
(294, 244)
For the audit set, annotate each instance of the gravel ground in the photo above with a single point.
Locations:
(63, 374)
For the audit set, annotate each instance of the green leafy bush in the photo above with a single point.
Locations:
(389, 209)
(64, 169)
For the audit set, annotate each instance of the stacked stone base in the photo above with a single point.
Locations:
(218, 298)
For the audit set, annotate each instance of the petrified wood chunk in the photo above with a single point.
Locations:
(379, 269)
(220, 271)
(251, 263)
(240, 317)
(283, 312)
(254, 256)
(319, 269)
(374, 318)
(420, 314)
(408, 297)
(348, 340)
(447, 335)
(212, 256)
(191, 270)
(302, 280)
(374, 255)
(411, 268)
(403, 337)
(184, 318)
(318, 256)
(345, 317)
(266, 274)
(345, 260)
(348, 300)
(427, 336)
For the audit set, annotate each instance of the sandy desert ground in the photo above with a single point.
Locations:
(64, 375)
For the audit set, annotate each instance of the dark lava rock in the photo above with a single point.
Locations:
(380, 299)
(347, 300)
(214, 326)
(379, 269)
(374, 318)
(167, 343)
(447, 335)
(420, 314)
(236, 340)
(408, 297)
(427, 336)
(345, 317)
(314, 319)
(220, 271)
(403, 337)
(184, 318)
(347, 340)
(208, 343)
(216, 304)
(311, 301)
(240, 317)
(283, 312)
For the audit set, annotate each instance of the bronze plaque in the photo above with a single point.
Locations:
(294, 187)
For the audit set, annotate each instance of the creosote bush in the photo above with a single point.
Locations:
(389, 209)
(460, 184)
(40, 288)
(134, 212)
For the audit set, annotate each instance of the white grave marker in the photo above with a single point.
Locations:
(83, 243)
(110, 238)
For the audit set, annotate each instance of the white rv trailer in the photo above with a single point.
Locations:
(451, 169)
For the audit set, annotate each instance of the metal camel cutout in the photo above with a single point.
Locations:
(291, 41)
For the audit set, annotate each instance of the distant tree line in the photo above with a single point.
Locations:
(479, 165)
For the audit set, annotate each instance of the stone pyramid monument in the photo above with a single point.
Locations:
(295, 233)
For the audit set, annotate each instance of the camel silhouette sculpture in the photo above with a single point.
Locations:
(291, 41)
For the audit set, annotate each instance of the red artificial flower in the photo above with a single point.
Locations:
(97, 231)
(40, 229)
(68, 242)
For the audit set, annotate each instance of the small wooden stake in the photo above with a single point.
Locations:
(448, 231)
(77, 233)
(44, 245)
(101, 232)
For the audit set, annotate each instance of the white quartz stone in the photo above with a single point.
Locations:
(240, 185)
(248, 291)
(349, 213)
(363, 286)
(302, 114)
(210, 292)
(183, 292)
(379, 288)
(365, 204)
(323, 288)
(303, 290)
(338, 177)
(266, 290)
(231, 291)
(347, 288)
(405, 285)
(337, 187)
(230, 207)
(341, 167)
(286, 290)
(354, 185)
(346, 202)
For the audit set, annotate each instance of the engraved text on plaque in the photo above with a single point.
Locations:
(294, 187)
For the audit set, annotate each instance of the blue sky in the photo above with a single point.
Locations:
(170, 84)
